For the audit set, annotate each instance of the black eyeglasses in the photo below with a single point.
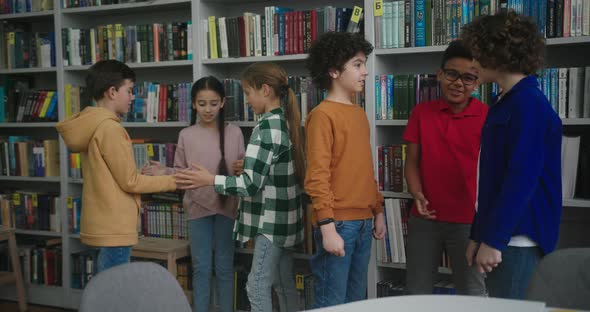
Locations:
(453, 75)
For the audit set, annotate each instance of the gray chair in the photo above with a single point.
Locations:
(562, 279)
(137, 286)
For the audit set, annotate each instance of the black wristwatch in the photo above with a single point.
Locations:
(325, 221)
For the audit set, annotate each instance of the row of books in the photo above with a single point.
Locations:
(575, 166)
(24, 48)
(24, 6)
(30, 211)
(28, 105)
(308, 96)
(154, 102)
(418, 23)
(75, 165)
(83, 267)
(21, 102)
(144, 151)
(392, 249)
(90, 3)
(391, 161)
(279, 31)
(568, 90)
(160, 102)
(397, 287)
(396, 95)
(131, 43)
(40, 260)
(163, 219)
(26, 157)
(74, 205)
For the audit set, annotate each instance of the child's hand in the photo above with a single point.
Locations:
(332, 241)
(487, 258)
(379, 229)
(193, 178)
(471, 251)
(238, 167)
(154, 169)
(421, 206)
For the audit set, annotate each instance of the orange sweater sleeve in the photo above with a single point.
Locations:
(319, 142)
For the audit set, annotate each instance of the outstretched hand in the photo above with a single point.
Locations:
(194, 177)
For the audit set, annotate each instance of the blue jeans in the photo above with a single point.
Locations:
(272, 266)
(109, 257)
(340, 280)
(511, 278)
(208, 234)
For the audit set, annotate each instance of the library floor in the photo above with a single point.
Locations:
(10, 306)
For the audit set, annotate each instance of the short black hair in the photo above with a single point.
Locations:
(105, 74)
(331, 51)
(456, 49)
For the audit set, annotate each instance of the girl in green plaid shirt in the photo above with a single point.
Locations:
(270, 211)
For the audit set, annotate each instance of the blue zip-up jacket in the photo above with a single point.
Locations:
(520, 170)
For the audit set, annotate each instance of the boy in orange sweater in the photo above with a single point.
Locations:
(111, 181)
(340, 178)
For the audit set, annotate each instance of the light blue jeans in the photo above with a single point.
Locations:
(339, 280)
(209, 234)
(109, 257)
(272, 266)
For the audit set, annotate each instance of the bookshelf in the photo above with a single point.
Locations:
(561, 52)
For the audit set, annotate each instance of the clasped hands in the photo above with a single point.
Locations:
(197, 176)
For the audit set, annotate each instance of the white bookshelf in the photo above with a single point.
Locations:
(28, 124)
(27, 16)
(382, 61)
(163, 64)
(30, 70)
(30, 179)
(561, 52)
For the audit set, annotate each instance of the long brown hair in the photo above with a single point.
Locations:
(211, 83)
(275, 77)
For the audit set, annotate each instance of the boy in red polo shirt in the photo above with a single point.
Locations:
(441, 170)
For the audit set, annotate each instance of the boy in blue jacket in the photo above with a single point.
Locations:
(519, 195)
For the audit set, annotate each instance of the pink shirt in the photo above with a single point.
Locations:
(200, 145)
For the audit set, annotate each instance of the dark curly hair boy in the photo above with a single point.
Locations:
(331, 52)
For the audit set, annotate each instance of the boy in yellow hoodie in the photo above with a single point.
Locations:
(112, 183)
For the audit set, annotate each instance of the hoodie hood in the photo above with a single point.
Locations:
(79, 129)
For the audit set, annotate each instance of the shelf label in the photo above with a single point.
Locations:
(378, 8)
(356, 14)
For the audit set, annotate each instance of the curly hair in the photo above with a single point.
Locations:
(331, 51)
(506, 42)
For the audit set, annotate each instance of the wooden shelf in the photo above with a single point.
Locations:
(27, 15)
(28, 70)
(30, 179)
(254, 59)
(28, 124)
(39, 233)
(129, 7)
(162, 64)
(396, 195)
(391, 123)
